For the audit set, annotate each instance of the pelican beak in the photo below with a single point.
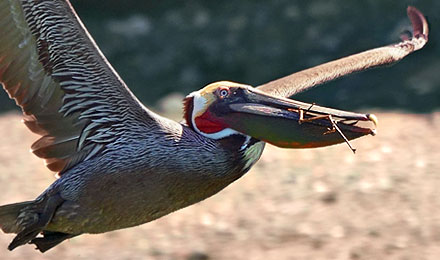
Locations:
(292, 124)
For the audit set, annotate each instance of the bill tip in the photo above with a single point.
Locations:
(373, 118)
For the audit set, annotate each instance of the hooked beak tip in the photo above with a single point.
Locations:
(373, 118)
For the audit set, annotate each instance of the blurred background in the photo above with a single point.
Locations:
(381, 203)
(163, 47)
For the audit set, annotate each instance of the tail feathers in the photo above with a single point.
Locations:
(9, 214)
(49, 240)
(28, 219)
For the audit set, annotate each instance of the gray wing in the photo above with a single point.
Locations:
(305, 79)
(69, 93)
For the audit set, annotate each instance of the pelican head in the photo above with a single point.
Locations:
(224, 108)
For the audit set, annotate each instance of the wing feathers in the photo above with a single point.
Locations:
(51, 147)
(68, 92)
(303, 80)
(419, 24)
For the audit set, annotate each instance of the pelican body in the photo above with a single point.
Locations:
(121, 165)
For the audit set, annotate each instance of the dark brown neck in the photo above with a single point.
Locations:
(188, 107)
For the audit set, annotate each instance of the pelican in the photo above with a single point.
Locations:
(119, 164)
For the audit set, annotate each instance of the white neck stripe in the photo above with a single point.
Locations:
(199, 106)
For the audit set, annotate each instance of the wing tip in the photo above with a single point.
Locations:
(420, 26)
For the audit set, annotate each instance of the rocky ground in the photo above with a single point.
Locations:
(382, 203)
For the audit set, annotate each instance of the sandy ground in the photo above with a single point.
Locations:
(382, 203)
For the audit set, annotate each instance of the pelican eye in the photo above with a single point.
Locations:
(223, 92)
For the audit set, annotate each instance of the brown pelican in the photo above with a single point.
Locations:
(121, 165)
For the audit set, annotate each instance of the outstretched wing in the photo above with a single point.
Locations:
(69, 93)
(305, 79)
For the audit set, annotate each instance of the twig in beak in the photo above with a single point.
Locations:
(329, 117)
(335, 126)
